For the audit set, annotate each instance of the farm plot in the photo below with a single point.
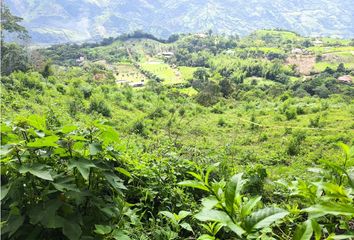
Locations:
(126, 72)
(164, 71)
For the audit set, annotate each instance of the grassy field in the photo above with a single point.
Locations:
(280, 34)
(322, 50)
(128, 72)
(188, 91)
(268, 144)
(259, 81)
(186, 72)
(163, 71)
(321, 66)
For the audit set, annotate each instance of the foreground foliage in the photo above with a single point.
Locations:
(72, 182)
(241, 148)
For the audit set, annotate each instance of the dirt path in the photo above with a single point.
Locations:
(304, 63)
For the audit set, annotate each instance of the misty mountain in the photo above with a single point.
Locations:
(54, 21)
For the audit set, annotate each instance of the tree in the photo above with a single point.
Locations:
(329, 70)
(210, 32)
(351, 43)
(322, 91)
(209, 95)
(47, 70)
(282, 78)
(341, 68)
(201, 74)
(14, 57)
(200, 78)
(307, 43)
(226, 87)
(10, 23)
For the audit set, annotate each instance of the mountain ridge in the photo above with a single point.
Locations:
(58, 21)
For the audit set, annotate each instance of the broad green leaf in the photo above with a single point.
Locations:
(103, 229)
(47, 214)
(330, 208)
(235, 228)
(316, 229)
(4, 191)
(68, 129)
(39, 133)
(183, 214)
(111, 211)
(5, 149)
(38, 170)
(5, 128)
(194, 184)
(54, 221)
(219, 216)
(65, 183)
(304, 231)
(186, 226)
(169, 215)
(83, 166)
(209, 202)
(212, 215)
(37, 122)
(95, 148)
(115, 181)
(34, 233)
(339, 237)
(264, 218)
(80, 147)
(50, 141)
(248, 207)
(233, 188)
(108, 134)
(72, 230)
(196, 175)
(206, 237)
(13, 224)
(123, 171)
(120, 235)
(78, 138)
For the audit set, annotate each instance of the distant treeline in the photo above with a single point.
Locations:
(66, 54)
(138, 34)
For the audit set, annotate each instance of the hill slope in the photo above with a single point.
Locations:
(67, 20)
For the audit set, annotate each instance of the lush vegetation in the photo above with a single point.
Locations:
(225, 140)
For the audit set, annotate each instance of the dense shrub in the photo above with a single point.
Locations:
(291, 113)
(100, 106)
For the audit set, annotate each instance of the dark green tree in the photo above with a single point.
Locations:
(10, 24)
(47, 70)
(341, 68)
(226, 87)
(14, 57)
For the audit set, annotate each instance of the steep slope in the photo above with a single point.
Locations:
(71, 20)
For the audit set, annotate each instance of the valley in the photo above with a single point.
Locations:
(202, 136)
